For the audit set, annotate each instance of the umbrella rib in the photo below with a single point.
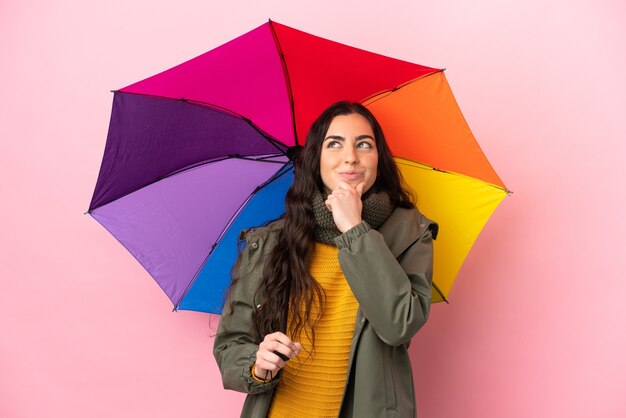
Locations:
(274, 177)
(440, 292)
(432, 283)
(261, 159)
(422, 166)
(264, 159)
(184, 100)
(274, 142)
(134, 256)
(269, 156)
(382, 94)
(287, 80)
(221, 235)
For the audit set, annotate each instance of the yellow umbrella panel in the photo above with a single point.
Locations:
(461, 206)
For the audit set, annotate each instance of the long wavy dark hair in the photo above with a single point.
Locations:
(286, 275)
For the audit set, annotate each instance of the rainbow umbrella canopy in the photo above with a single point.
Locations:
(201, 151)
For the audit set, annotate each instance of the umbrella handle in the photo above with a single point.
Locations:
(281, 355)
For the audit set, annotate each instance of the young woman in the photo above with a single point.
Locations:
(326, 299)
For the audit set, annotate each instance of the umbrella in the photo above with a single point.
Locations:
(201, 151)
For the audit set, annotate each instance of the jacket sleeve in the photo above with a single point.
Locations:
(234, 347)
(394, 292)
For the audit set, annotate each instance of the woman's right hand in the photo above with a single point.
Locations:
(269, 362)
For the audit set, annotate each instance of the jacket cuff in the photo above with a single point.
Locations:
(256, 385)
(344, 240)
(256, 378)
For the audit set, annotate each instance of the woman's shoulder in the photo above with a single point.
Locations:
(254, 245)
(261, 232)
(405, 226)
(412, 218)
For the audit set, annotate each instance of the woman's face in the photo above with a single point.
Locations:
(349, 153)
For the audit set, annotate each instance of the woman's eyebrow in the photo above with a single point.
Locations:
(341, 138)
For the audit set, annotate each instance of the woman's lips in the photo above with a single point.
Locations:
(351, 175)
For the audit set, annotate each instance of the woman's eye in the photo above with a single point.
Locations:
(364, 145)
(333, 144)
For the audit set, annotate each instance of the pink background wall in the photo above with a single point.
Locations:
(536, 324)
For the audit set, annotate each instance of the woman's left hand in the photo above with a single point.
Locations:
(346, 205)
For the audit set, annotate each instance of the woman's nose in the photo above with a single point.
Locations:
(350, 155)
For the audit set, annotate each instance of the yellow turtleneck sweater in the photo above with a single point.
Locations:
(312, 384)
